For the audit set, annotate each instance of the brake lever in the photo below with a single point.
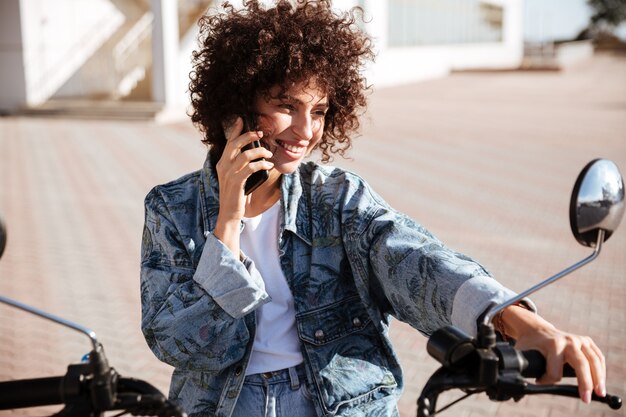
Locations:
(514, 387)
(440, 381)
(148, 405)
(141, 398)
(613, 401)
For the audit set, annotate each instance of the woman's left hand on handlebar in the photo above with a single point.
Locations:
(558, 347)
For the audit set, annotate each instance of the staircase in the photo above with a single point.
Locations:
(115, 82)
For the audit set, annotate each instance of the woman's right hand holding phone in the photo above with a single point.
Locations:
(233, 168)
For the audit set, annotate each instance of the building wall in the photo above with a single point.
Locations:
(402, 64)
(44, 44)
(59, 37)
(12, 71)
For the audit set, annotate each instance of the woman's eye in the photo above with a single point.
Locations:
(287, 106)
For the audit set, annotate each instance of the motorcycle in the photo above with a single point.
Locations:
(89, 388)
(484, 364)
(472, 365)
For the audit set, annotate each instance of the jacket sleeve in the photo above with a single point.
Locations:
(192, 318)
(413, 276)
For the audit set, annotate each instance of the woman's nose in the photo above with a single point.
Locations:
(302, 126)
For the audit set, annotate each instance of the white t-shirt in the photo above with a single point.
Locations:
(276, 343)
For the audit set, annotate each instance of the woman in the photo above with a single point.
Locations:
(278, 302)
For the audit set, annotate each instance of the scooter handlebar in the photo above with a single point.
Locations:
(134, 395)
(32, 392)
(535, 365)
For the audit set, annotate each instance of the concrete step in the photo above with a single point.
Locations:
(96, 109)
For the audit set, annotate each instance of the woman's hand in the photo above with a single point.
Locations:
(558, 347)
(233, 169)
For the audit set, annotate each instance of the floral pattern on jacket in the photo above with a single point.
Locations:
(351, 262)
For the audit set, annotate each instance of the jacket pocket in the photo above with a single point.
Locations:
(346, 354)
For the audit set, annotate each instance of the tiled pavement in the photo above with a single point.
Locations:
(484, 160)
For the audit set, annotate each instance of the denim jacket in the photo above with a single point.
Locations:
(351, 262)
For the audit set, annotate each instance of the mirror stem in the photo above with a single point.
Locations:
(90, 333)
(492, 313)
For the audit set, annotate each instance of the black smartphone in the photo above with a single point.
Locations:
(259, 177)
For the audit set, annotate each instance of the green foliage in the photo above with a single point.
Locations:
(607, 12)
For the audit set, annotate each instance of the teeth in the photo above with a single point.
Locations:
(292, 148)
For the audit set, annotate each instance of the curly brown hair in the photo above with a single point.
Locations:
(245, 52)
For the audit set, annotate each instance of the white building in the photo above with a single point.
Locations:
(120, 51)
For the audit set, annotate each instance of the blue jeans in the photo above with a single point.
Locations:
(275, 394)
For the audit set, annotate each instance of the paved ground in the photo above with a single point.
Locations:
(485, 160)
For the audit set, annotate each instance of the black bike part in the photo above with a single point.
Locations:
(613, 401)
(148, 405)
(444, 380)
(143, 399)
(81, 390)
(31, 392)
(128, 385)
(535, 365)
(450, 347)
(104, 379)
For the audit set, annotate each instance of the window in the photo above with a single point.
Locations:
(435, 22)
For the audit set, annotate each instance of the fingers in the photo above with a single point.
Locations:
(251, 160)
(581, 364)
(586, 359)
(244, 164)
(237, 162)
(236, 140)
(598, 366)
(253, 167)
(554, 368)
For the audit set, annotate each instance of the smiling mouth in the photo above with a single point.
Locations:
(291, 148)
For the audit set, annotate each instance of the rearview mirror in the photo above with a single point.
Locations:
(3, 237)
(597, 202)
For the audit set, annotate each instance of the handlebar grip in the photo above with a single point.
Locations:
(31, 392)
(535, 365)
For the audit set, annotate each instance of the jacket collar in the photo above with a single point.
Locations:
(209, 196)
(296, 208)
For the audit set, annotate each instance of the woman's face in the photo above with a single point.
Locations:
(292, 123)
